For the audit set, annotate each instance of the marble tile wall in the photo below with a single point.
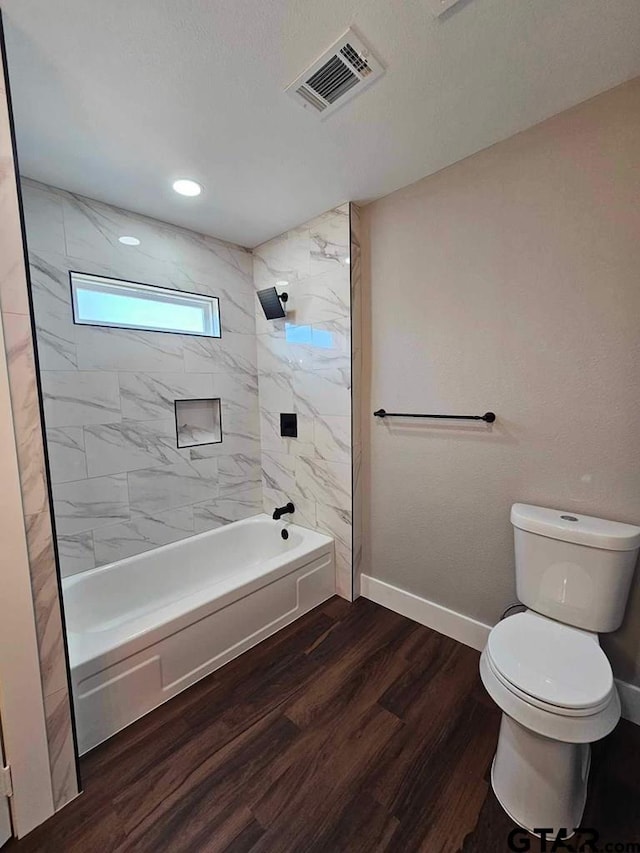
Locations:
(16, 320)
(357, 377)
(305, 366)
(121, 485)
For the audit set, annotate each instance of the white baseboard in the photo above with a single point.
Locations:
(629, 700)
(464, 629)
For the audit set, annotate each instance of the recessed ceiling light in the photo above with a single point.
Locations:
(184, 186)
(129, 241)
(282, 283)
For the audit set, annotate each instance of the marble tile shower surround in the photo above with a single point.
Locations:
(357, 321)
(121, 486)
(16, 321)
(304, 366)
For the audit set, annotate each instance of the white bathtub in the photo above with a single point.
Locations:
(145, 628)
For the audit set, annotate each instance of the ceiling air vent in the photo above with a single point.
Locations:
(342, 72)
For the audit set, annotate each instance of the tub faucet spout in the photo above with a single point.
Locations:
(279, 511)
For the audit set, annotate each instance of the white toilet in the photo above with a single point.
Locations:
(545, 669)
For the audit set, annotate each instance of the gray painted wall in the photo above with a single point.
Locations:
(507, 282)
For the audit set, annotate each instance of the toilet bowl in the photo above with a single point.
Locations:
(545, 669)
(555, 688)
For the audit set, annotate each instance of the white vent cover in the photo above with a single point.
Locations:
(342, 72)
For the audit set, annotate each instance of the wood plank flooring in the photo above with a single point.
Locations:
(354, 729)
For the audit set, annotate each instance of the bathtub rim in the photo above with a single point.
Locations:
(69, 581)
(91, 652)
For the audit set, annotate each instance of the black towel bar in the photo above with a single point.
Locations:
(488, 417)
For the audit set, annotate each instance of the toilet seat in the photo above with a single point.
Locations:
(555, 667)
(539, 673)
(545, 720)
(539, 703)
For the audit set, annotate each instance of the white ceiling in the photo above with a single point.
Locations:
(116, 98)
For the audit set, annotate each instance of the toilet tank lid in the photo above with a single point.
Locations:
(575, 527)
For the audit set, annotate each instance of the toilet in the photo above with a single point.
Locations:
(545, 669)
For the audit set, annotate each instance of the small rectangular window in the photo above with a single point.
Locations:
(99, 301)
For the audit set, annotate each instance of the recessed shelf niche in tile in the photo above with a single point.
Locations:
(198, 422)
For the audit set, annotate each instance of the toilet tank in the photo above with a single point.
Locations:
(574, 568)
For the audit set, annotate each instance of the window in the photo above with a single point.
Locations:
(99, 301)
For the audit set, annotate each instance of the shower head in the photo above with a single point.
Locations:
(271, 302)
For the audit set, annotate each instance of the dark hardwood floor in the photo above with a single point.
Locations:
(353, 729)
